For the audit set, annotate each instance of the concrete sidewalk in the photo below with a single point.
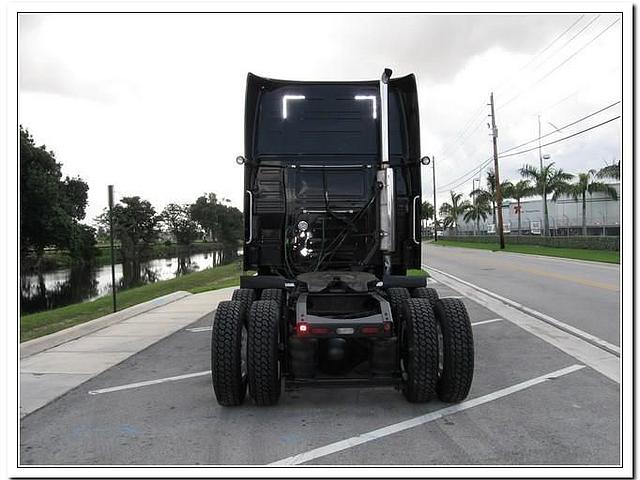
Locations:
(46, 375)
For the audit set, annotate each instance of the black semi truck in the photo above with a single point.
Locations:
(332, 225)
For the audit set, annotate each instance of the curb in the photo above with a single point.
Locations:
(37, 345)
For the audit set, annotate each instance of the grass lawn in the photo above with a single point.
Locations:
(43, 323)
(575, 253)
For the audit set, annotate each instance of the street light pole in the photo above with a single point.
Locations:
(113, 267)
(435, 210)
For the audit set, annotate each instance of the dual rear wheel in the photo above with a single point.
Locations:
(245, 349)
(436, 348)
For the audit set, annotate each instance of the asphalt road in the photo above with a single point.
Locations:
(524, 413)
(585, 295)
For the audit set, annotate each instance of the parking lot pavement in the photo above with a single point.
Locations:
(530, 403)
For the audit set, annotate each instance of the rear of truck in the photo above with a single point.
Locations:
(332, 224)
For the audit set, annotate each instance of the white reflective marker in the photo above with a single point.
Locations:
(285, 99)
(374, 103)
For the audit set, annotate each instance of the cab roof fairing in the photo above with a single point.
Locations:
(404, 87)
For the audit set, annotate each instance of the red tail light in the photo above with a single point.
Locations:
(320, 330)
(369, 330)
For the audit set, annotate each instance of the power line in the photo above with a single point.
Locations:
(562, 139)
(579, 50)
(530, 86)
(539, 54)
(563, 126)
(480, 110)
(465, 177)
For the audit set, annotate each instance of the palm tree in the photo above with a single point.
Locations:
(452, 211)
(426, 210)
(610, 171)
(549, 181)
(477, 210)
(490, 193)
(587, 184)
(518, 191)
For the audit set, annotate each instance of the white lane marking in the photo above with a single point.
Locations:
(199, 329)
(148, 382)
(594, 356)
(431, 280)
(422, 419)
(486, 321)
(614, 349)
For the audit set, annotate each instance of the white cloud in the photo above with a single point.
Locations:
(155, 103)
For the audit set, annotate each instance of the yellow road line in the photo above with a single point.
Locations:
(543, 273)
(568, 278)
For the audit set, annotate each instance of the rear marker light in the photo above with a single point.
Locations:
(303, 328)
(386, 326)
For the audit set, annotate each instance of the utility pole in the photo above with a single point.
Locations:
(113, 267)
(435, 221)
(494, 135)
(544, 183)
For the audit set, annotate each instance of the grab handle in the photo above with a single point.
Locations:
(414, 230)
(250, 217)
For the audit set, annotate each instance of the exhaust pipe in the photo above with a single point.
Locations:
(385, 178)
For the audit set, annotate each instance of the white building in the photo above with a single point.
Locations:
(565, 216)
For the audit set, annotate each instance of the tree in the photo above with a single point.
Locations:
(231, 230)
(549, 181)
(490, 194)
(135, 225)
(475, 211)
(452, 211)
(223, 223)
(610, 171)
(50, 207)
(586, 183)
(177, 219)
(426, 210)
(518, 191)
(205, 211)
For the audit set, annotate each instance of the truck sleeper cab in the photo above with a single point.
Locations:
(332, 224)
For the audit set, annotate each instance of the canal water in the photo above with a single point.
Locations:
(65, 286)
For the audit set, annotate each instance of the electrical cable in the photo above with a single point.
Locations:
(467, 175)
(561, 139)
(560, 128)
(529, 87)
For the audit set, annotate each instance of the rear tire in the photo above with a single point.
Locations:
(263, 366)
(246, 296)
(396, 297)
(274, 294)
(457, 338)
(425, 292)
(228, 367)
(419, 351)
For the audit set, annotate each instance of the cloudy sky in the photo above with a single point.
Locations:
(154, 103)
